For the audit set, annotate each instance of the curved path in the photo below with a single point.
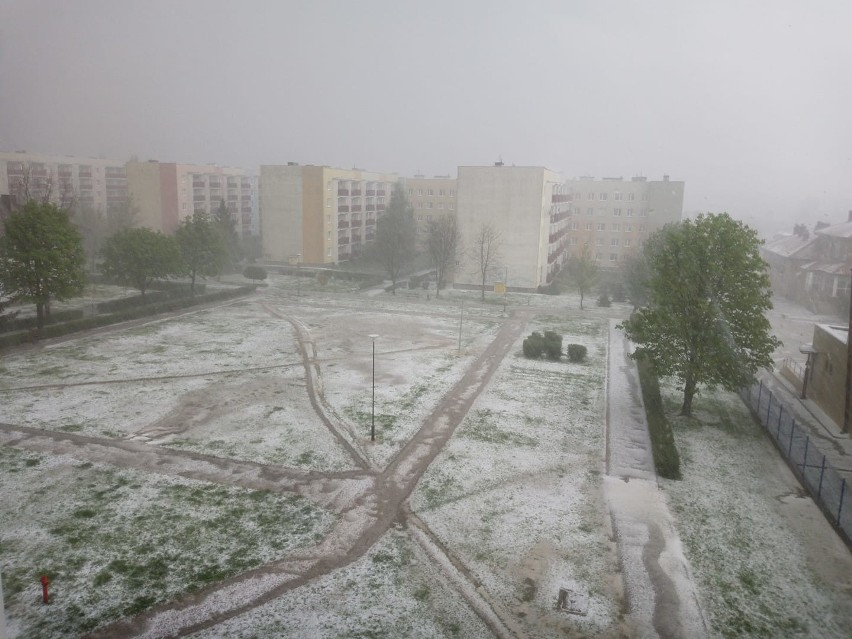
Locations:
(374, 503)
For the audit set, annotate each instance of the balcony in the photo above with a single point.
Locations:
(371, 207)
(370, 237)
(371, 221)
(356, 207)
(371, 192)
(356, 220)
(380, 192)
(355, 192)
(356, 239)
(343, 208)
(342, 192)
(343, 240)
(342, 224)
(198, 184)
(380, 207)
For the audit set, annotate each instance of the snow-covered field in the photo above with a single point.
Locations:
(116, 541)
(766, 562)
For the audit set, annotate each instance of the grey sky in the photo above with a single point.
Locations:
(748, 102)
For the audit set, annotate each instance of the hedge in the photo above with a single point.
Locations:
(26, 323)
(666, 457)
(97, 321)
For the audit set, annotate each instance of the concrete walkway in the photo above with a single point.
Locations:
(661, 594)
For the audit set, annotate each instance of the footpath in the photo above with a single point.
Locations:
(660, 591)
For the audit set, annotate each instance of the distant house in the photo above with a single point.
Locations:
(813, 270)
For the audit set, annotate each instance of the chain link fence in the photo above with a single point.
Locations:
(830, 491)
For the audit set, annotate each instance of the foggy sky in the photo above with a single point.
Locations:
(748, 102)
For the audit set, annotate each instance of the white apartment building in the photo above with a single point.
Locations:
(529, 207)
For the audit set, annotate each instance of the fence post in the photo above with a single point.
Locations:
(759, 393)
(805, 458)
(780, 412)
(840, 503)
(821, 473)
(790, 448)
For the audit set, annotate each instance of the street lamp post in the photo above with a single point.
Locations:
(373, 411)
(299, 275)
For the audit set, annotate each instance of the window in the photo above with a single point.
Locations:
(599, 241)
(328, 253)
(428, 218)
(613, 241)
(428, 205)
(628, 228)
(589, 226)
(420, 192)
(629, 212)
(411, 191)
(573, 241)
(613, 257)
(430, 192)
(617, 196)
(631, 196)
(328, 201)
(452, 193)
(603, 197)
(601, 226)
(627, 243)
(329, 235)
(440, 205)
(643, 213)
(574, 226)
(441, 192)
(641, 228)
(616, 212)
(419, 218)
(590, 211)
(615, 227)
(327, 185)
(450, 206)
(644, 197)
(591, 196)
(420, 205)
(598, 255)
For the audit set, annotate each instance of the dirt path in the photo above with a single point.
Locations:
(370, 513)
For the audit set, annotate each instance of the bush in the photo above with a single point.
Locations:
(666, 457)
(552, 345)
(322, 278)
(112, 306)
(604, 300)
(13, 324)
(618, 293)
(254, 273)
(576, 352)
(534, 345)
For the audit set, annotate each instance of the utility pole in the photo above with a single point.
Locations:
(3, 634)
(846, 408)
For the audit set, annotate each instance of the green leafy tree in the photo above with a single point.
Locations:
(583, 271)
(444, 247)
(228, 230)
(137, 257)
(394, 245)
(201, 247)
(708, 292)
(634, 276)
(41, 256)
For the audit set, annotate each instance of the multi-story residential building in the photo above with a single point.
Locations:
(319, 214)
(614, 216)
(92, 183)
(166, 192)
(431, 199)
(529, 207)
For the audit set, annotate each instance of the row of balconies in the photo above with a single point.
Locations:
(560, 197)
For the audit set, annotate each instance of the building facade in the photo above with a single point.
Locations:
(92, 183)
(165, 193)
(529, 207)
(614, 216)
(320, 214)
(431, 199)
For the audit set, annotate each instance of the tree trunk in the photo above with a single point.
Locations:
(688, 394)
(192, 283)
(581, 299)
(40, 315)
(483, 288)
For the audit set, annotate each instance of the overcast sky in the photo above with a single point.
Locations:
(748, 102)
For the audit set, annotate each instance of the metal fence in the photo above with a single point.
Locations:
(815, 472)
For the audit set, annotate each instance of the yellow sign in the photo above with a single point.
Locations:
(499, 287)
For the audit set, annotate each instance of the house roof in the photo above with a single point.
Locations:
(832, 268)
(790, 246)
(843, 230)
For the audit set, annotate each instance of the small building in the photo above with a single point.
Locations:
(827, 374)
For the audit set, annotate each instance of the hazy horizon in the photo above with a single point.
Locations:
(746, 104)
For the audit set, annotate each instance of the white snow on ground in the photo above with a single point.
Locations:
(765, 560)
(114, 541)
(395, 590)
(516, 495)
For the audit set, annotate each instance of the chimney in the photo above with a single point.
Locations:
(665, 178)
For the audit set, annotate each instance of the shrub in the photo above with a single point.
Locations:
(618, 293)
(604, 300)
(576, 352)
(14, 324)
(534, 345)
(322, 278)
(666, 457)
(552, 345)
(254, 273)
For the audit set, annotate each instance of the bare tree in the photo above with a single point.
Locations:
(36, 183)
(485, 252)
(583, 270)
(394, 245)
(444, 246)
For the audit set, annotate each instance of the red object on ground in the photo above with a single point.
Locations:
(44, 582)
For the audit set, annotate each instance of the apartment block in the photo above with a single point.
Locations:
(431, 199)
(614, 216)
(320, 214)
(529, 207)
(166, 192)
(92, 183)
